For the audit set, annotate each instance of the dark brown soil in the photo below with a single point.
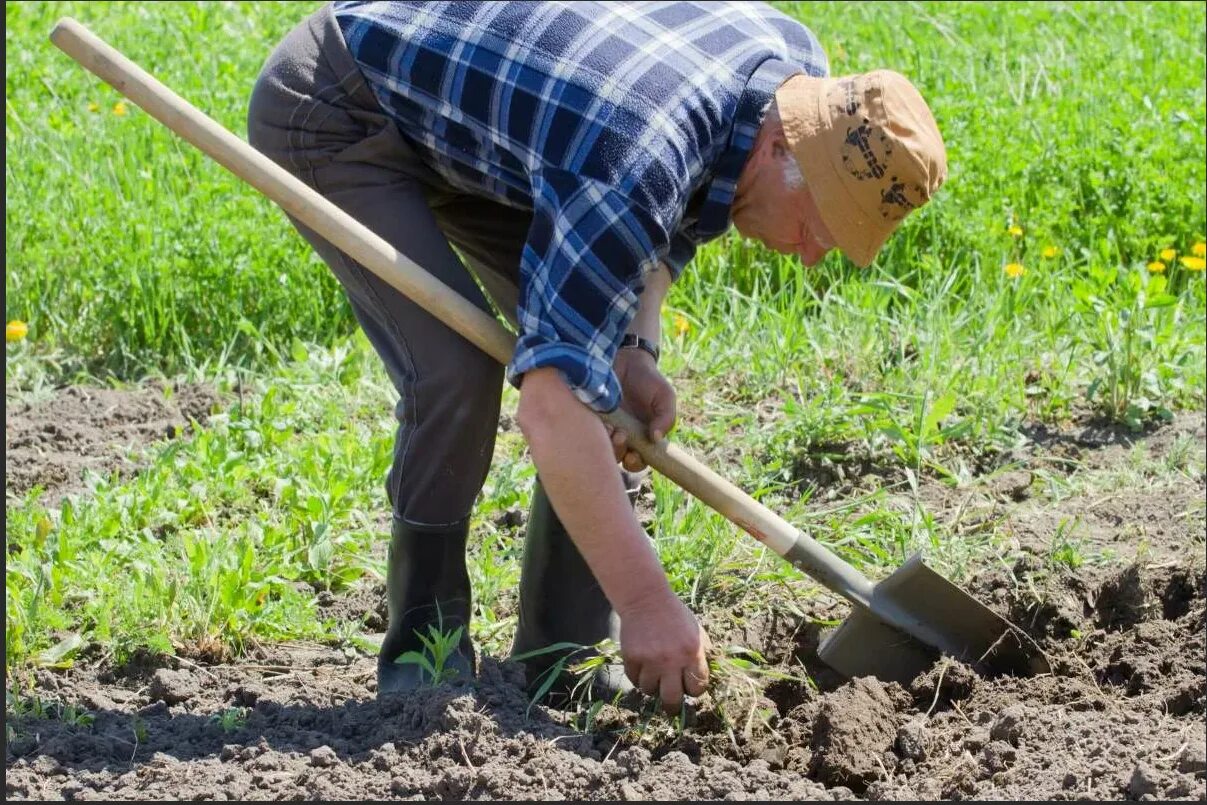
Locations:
(53, 443)
(1121, 716)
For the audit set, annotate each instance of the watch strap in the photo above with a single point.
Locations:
(634, 341)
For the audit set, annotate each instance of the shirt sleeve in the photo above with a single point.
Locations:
(583, 269)
(682, 250)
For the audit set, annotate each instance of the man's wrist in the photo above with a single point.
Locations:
(634, 341)
(644, 586)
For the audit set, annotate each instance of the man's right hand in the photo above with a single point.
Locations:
(664, 649)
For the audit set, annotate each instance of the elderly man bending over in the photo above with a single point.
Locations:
(568, 159)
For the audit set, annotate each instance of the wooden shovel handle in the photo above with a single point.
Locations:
(350, 236)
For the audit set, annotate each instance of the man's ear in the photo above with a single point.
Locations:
(770, 145)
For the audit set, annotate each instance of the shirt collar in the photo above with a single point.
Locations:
(714, 217)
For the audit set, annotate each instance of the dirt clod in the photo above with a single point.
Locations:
(854, 731)
(997, 756)
(1012, 486)
(946, 682)
(323, 757)
(173, 687)
(1193, 759)
(1009, 725)
(911, 739)
(1144, 780)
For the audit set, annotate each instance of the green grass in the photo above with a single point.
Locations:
(130, 254)
(127, 249)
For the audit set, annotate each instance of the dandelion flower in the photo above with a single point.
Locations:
(1051, 251)
(93, 106)
(1193, 263)
(1156, 267)
(15, 330)
(1014, 270)
(1168, 255)
(682, 325)
(119, 109)
(1199, 249)
(1015, 231)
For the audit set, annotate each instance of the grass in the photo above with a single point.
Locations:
(131, 255)
(166, 252)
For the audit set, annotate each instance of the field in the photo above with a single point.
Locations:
(197, 434)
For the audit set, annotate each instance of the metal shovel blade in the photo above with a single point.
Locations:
(943, 616)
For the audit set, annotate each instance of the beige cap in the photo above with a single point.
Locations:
(869, 149)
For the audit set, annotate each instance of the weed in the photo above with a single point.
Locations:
(585, 720)
(231, 719)
(591, 661)
(139, 729)
(915, 439)
(1182, 454)
(1134, 324)
(1066, 551)
(438, 646)
(20, 706)
(738, 677)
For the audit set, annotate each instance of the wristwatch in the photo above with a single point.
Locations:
(634, 341)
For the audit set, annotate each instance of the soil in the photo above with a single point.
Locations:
(55, 443)
(1121, 716)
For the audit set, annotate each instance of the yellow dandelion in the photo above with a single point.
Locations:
(682, 325)
(1156, 267)
(1168, 255)
(1015, 231)
(93, 106)
(1014, 270)
(1199, 249)
(1193, 263)
(120, 109)
(1051, 251)
(15, 330)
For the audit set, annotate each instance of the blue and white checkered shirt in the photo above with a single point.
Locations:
(622, 126)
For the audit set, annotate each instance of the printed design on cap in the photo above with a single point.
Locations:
(850, 104)
(895, 204)
(865, 148)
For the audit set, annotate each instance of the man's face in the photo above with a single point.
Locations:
(783, 217)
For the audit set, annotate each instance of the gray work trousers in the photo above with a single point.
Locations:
(312, 113)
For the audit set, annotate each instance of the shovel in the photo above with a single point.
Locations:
(897, 628)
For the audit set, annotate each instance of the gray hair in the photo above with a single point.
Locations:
(792, 175)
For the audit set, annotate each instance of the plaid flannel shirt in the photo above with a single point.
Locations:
(622, 126)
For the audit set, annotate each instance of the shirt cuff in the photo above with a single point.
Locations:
(590, 377)
(680, 253)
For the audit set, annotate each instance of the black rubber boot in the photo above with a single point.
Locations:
(561, 602)
(427, 587)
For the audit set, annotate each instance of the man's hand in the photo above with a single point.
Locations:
(664, 649)
(645, 394)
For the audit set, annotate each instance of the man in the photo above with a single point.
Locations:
(569, 158)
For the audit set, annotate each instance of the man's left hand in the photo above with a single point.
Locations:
(645, 394)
